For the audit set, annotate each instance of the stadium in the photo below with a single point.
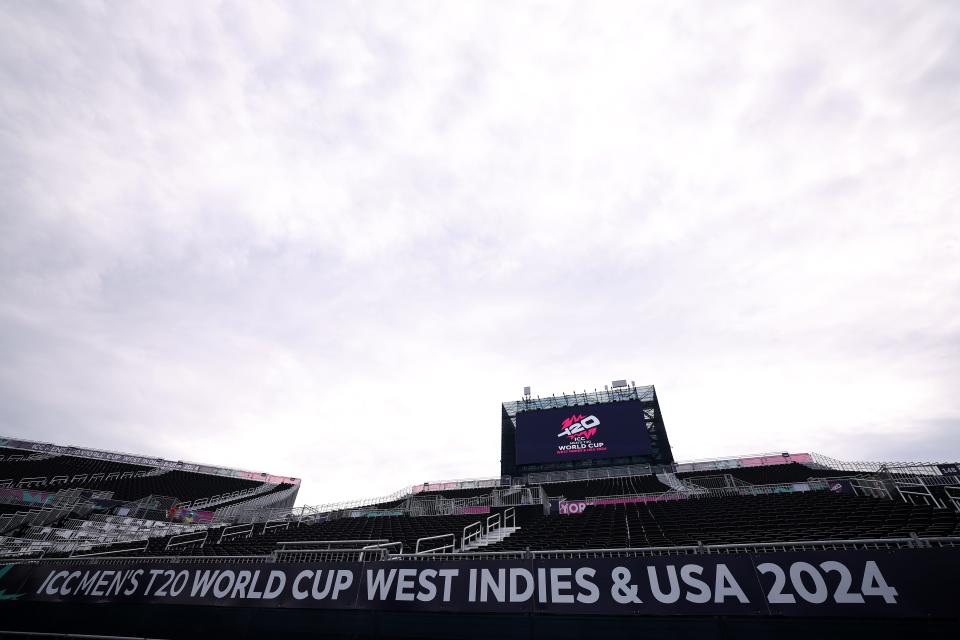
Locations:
(591, 527)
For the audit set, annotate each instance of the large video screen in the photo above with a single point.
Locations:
(614, 430)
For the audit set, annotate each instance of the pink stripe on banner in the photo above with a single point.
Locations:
(761, 461)
(633, 499)
(475, 510)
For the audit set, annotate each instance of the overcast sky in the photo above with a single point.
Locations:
(327, 239)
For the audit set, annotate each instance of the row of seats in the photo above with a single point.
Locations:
(403, 529)
(71, 466)
(457, 494)
(11, 454)
(183, 485)
(784, 517)
(769, 474)
(277, 489)
(627, 485)
(815, 515)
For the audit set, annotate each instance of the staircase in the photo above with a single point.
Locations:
(677, 484)
(502, 496)
(492, 537)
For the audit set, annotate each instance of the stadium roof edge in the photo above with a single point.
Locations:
(130, 458)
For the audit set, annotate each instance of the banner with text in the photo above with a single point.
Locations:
(904, 583)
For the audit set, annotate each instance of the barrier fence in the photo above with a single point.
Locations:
(331, 551)
(832, 579)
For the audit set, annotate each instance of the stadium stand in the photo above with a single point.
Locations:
(63, 505)
(645, 512)
(771, 474)
(732, 520)
(56, 501)
(126, 481)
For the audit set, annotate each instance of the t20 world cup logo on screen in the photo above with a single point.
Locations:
(580, 429)
(579, 425)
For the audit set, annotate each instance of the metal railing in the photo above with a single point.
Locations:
(185, 539)
(332, 550)
(146, 543)
(127, 560)
(733, 490)
(229, 533)
(392, 501)
(953, 495)
(379, 551)
(451, 544)
(471, 533)
(498, 527)
(275, 524)
(759, 547)
(543, 477)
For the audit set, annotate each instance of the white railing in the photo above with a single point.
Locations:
(894, 468)
(493, 523)
(514, 496)
(471, 533)
(869, 487)
(229, 533)
(498, 526)
(187, 539)
(357, 553)
(736, 490)
(464, 483)
(275, 524)
(331, 550)
(590, 474)
(757, 547)
(380, 551)
(82, 535)
(146, 543)
(451, 544)
(953, 495)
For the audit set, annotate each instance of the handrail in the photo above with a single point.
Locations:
(173, 542)
(912, 543)
(467, 538)
(305, 543)
(812, 484)
(384, 550)
(452, 546)
(146, 543)
(275, 524)
(238, 530)
(139, 559)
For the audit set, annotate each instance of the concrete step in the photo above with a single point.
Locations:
(493, 537)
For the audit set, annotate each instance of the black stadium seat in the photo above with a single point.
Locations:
(183, 485)
(770, 474)
(813, 515)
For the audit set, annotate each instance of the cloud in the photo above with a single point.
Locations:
(327, 242)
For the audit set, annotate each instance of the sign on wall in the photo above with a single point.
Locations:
(905, 583)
